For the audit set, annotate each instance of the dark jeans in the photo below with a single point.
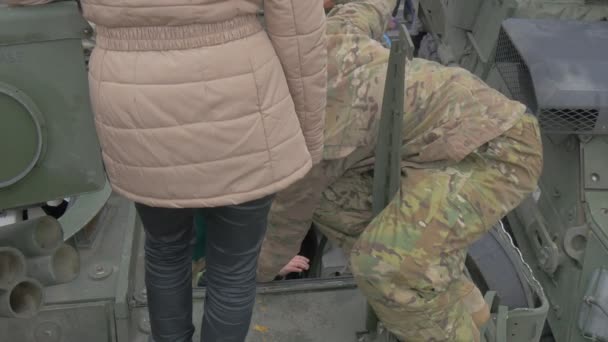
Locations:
(234, 238)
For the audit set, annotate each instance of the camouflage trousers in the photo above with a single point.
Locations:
(409, 260)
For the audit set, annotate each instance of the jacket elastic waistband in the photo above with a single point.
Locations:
(159, 38)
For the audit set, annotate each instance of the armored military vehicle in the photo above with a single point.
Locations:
(71, 252)
(551, 56)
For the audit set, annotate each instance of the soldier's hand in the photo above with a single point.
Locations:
(297, 264)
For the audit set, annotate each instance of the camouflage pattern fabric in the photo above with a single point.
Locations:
(408, 261)
(471, 155)
(448, 114)
(292, 212)
(454, 112)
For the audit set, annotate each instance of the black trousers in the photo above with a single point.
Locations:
(234, 238)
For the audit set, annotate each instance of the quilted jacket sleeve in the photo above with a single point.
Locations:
(297, 31)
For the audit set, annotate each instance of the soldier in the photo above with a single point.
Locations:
(471, 156)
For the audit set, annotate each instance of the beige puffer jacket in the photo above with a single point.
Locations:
(192, 99)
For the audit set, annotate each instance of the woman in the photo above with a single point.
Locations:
(196, 106)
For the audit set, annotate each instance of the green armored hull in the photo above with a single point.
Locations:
(49, 152)
(550, 55)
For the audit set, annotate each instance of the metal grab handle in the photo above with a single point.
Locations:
(387, 166)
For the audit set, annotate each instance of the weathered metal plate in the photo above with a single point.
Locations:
(334, 315)
(50, 22)
(41, 47)
(90, 322)
(596, 164)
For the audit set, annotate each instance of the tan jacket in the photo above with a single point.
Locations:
(197, 106)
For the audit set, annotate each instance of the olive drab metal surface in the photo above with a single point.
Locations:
(48, 145)
(551, 56)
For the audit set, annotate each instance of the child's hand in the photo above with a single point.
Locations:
(297, 264)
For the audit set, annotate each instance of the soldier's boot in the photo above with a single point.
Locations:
(475, 304)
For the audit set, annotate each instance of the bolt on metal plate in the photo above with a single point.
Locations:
(100, 271)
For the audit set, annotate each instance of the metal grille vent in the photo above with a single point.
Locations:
(568, 120)
(514, 72)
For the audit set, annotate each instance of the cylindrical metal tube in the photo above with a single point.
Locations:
(60, 267)
(12, 267)
(22, 300)
(36, 237)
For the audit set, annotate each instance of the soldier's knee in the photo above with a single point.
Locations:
(372, 273)
(522, 150)
(377, 277)
(360, 263)
(532, 159)
(536, 145)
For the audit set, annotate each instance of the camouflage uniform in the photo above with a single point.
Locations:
(471, 155)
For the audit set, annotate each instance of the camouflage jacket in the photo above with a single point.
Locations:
(448, 114)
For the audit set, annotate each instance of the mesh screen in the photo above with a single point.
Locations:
(514, 72)
(517, 78)
(568, 120)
